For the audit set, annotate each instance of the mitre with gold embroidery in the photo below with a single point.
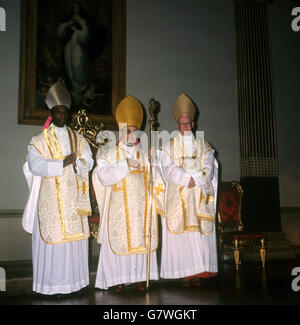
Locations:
(130, 111)
(183, 106)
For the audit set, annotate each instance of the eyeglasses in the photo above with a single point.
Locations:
(184, 123)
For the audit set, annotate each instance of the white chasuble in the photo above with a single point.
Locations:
(190, 210)
(188, 228)
(62, 267)
(124, 205)
(128, 219)
(63, 204)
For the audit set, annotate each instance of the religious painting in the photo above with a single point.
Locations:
(81, 44)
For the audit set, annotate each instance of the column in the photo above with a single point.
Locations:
(257, 120)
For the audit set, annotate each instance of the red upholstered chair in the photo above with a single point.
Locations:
(230, 225)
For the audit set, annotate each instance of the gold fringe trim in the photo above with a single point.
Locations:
(83, 213)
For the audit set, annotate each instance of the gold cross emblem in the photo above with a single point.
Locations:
(207, 198)
(84, 188)
(158, 189)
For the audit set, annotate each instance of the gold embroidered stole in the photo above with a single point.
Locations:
(159, 193)
(82, 180)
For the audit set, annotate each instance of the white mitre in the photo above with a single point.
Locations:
(58, 95)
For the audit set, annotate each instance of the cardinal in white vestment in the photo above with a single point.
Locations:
(56, 170)
(190, 172)
(121, 182)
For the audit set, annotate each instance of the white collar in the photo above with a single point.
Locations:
(60, 130)
(187, 138)
(127, 148)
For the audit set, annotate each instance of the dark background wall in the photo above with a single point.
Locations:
(285, 46)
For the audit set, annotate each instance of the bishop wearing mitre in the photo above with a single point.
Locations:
(58, 206)
(122, 185)
(190, 172)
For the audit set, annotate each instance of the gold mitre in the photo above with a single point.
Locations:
(130, 111)
(183, 107)
(58, 95)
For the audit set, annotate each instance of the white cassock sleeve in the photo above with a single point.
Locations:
(171, 172)
(110, 174)
(208, 165)
(40, 166)
(87, 157)
(174, 174)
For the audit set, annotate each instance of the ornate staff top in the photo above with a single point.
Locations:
(89, 129)
(153, 108)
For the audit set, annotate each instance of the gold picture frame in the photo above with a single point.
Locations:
(41, 64)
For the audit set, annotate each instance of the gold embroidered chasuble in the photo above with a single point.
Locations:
(190, 210)
(64, 202)
(128, 206)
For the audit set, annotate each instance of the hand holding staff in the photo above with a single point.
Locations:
(70, 159)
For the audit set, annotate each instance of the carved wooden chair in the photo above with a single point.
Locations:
(230, 226)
